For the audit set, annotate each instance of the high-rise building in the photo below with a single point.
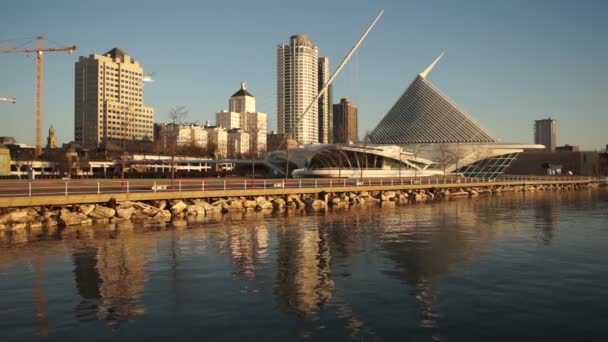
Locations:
(242, 101)
(297, 87)
(109, 100)
(325, 104)
(242, 115)
(345, 122)
(545, 133)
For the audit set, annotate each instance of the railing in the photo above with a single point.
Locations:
(30, 188)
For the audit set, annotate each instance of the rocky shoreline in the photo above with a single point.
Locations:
(49, 218)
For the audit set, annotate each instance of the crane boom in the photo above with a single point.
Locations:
(39, 50)
(8, 99)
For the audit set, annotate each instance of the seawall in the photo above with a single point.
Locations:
(51, 212)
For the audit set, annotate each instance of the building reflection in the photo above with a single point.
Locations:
(110, 276)
(304, 272)
(88, 282)
(546, 220)
(247, 246)
(429, 242)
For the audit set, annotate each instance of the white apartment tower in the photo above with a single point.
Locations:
(297, 87)
(109, 100)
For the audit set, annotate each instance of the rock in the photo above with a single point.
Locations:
(260, 199)
(51, 223)
(214, 208)
(71, 219)
(36, 225)
(387, 196)
(265, 205)
(87, 208)
(178, 207)
(234, 205)
(18, 226)
(101, 212)
(194, 209)
(102, 220)
(250, 204)
(318, 205)
(118, 219)
(162, 204)
(125, 213)
(163, 214)
(278, 203)
(15, 216)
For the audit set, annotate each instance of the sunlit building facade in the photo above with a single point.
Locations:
(109, 100)
(297, 87)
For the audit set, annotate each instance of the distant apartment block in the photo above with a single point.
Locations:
(217, 140)
(345, 122)
(181, 135)
(109, 100)
(238, 143)
(545, 133)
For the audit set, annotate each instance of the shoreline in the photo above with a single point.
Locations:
(49, 218)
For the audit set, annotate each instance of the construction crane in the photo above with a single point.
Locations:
(39, 50)
(8, 99)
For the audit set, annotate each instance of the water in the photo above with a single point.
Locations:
(523, 267)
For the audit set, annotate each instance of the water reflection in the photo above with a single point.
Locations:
(109, 271)
(307, 258)
(431, 241)
(304, 281)
(546, 221)
(247, 246)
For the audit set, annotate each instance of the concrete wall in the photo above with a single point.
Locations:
(580, 163)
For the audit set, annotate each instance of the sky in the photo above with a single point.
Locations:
(507, 63)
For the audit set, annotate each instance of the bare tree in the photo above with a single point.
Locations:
(458, 155)
(445, 157)
(177, 116)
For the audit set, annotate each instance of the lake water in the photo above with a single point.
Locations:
(511, 267)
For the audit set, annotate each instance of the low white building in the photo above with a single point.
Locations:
(217, 140)
(238, 143)
(182, 135)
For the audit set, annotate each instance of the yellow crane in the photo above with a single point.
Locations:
(39, 50)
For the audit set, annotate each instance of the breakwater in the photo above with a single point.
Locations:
(62, 211)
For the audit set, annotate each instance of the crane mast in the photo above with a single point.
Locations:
(39, 50)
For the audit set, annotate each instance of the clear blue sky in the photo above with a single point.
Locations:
(507, 62)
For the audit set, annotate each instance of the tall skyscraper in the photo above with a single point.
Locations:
(345, 122)
(325, 104)
(109, 100)
(297, 87)
(545, 133)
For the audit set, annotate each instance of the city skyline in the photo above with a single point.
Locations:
(506, 64)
